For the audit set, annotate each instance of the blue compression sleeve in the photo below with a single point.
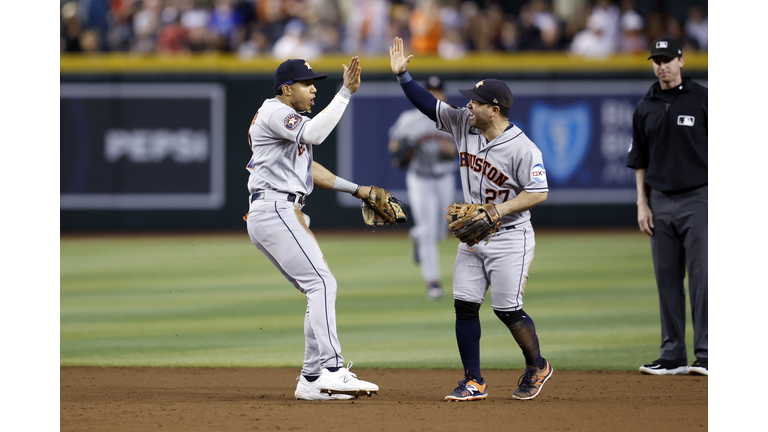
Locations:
(420, 97)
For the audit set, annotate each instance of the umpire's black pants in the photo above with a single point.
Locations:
(679, 242)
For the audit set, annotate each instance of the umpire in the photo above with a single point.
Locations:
(669, 154)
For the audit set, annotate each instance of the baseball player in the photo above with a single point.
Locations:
(498, 164)
(282, 174)
(430, 156)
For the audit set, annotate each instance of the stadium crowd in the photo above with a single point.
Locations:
(309, 28)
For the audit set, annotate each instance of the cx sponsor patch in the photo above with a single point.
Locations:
(539, 174)
(292, 121)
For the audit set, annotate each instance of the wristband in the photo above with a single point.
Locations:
(404, 77)
(342, 185)
(345, 92)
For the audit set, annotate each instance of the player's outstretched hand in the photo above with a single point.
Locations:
(397, 59)
(352, 74)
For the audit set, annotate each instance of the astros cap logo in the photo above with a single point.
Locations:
(479, 84)
(307, 65)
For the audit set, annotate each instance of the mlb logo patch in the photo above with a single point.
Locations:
(684, 120)
(662, 44)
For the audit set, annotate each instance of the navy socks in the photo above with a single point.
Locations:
(468, 339)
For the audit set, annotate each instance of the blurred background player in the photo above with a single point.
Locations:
(429, 156)
(669, 152)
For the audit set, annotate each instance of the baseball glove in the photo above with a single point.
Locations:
(460, 222)
(382, 208)
(402, 156)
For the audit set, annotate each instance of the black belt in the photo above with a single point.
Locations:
(505, 228)
(289, 197)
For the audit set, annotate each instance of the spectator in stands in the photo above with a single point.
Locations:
(592, 42)
(530, 35)
(120, 21)
(452, 43)
(90, 42)
(632, 38)
(256, 44)
(93, 15)
(324, 24)
(195, 20)
(399, 16)
(70, 28)
(610, 15)
(425, 27)
(221, 25)
(509, 35)
(697, 27)
(173, 38)
(450, 28)
(368, 27)
(293, 44)
(146, 24)
(575, 16)
(546, 23)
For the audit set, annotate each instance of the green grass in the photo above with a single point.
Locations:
(215, 300)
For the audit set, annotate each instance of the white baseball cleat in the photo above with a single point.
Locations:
(309, 391)
(344, 382)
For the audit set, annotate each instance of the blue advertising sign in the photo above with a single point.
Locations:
(583, 129)
(142, 146)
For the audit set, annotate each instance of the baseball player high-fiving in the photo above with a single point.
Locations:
(282, 174)
(502, 168)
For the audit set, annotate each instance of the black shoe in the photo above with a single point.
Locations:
(699, 367)
(663, 367)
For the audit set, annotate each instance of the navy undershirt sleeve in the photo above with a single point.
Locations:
(420, 97)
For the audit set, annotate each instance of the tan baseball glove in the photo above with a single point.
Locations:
(382, 208)
(463, 226)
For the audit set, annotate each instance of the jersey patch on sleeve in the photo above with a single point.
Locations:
(538, 173)
(292, 121)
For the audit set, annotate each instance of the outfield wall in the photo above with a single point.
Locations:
(159, 144)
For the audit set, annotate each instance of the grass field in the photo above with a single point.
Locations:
(215, 300)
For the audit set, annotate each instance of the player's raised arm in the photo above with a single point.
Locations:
(419, 96)
(317, 130)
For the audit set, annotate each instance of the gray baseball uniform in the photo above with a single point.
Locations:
(430, 181)
(281, 167)
(494, 172)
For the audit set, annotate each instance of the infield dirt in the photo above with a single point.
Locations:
(245, 399)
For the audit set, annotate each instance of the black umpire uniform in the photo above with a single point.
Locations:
(669, 142)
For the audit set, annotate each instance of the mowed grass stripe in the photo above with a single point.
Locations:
(215, 300)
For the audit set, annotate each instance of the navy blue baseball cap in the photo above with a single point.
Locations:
(293, 70)
(490, 91)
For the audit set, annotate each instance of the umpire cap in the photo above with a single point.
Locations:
(491, 91)
(668, 47)
(293, 70)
